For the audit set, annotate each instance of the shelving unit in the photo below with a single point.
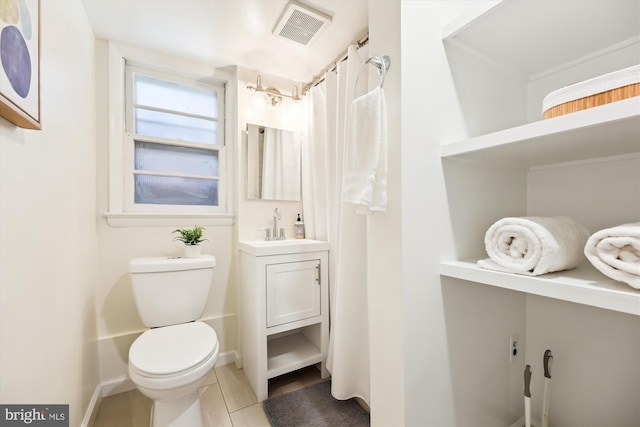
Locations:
(573, 137)
(549, 40)
(536, 39)
(584, 285)
(290, 352)
(506, 161)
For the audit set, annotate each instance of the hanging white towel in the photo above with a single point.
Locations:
(615, 252)
(534, 245)
(365, 157)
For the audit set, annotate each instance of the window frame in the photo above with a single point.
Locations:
(121, 213)
(129, 174)
(131, 70)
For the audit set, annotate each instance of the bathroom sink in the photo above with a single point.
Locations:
(282, 247)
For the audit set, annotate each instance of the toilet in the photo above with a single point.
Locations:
(171, 361)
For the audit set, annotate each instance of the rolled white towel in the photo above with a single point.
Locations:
(615, 252)
(534, 245)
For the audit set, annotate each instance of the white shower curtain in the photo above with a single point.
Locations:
(326, 218)
(280, 165)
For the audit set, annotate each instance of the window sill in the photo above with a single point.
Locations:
(121, 219)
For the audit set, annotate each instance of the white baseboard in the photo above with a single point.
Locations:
(92, 409)
(117, 385)
(521, 423)
(123, 383)
(227, 358)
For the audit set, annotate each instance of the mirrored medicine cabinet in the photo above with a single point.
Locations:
(273, 164)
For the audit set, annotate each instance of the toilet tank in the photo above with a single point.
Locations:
(171, 290)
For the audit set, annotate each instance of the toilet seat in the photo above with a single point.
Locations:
(171, 350)
(173, 355)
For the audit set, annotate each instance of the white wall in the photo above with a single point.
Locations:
(384, 235)
(430, 113)
(117, 320)
(118, 323)
(584, 389)
(47, 216)
(254, 215)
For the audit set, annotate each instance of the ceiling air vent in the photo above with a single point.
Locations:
(300, 23)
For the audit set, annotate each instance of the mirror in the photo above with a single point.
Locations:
(273, 163)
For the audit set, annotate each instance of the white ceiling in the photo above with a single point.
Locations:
(228, 32)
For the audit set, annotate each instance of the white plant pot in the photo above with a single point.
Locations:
(191, 251)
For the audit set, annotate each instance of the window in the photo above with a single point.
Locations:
(174, 153)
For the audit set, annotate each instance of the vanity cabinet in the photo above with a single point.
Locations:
(284, 308)
(293, 291)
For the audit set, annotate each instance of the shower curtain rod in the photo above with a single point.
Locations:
(333, 65)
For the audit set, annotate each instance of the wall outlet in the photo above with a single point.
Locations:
(514, 347)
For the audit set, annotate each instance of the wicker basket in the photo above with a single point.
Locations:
(601, 90)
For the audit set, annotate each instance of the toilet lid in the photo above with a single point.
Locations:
(172, 349)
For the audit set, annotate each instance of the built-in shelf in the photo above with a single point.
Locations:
(275, 330)
(605, 131)
(545, 38)
(583, 285)
(290, 352)
(504, 58)
(535, 37)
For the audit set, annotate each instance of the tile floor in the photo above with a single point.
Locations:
(227, 400)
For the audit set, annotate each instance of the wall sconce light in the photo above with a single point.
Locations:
(263, 98)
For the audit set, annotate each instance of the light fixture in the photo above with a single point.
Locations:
(263, 98)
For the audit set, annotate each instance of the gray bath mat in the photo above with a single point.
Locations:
(314, 406)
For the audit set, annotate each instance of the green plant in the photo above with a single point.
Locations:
(190, 236)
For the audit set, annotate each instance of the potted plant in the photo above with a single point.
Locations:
(191, 237)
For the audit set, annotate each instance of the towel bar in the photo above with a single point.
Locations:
(382, 63)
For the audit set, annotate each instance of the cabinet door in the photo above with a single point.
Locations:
(293, 291)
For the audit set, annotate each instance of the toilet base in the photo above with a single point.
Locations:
(181, 412)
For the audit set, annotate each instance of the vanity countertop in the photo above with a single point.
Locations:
(282, 247)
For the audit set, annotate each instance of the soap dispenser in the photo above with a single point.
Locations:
(299, 228)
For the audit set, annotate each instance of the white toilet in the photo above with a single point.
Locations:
(171, 361)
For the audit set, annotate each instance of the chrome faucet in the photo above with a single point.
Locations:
(273, 234)
(277, 217)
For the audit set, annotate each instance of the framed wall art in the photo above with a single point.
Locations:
(20, 62)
